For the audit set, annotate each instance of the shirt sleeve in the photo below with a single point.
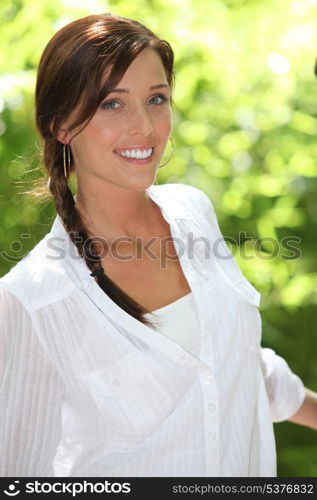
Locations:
(286, 391)
(31, 393)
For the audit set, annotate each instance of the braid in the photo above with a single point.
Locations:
(70, 86)
(65, 207)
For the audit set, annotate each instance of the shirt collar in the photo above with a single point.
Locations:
(79, 273)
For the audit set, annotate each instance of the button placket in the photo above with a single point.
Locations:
(211, 421)
(207, 324)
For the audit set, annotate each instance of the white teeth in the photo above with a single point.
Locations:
(137, 153)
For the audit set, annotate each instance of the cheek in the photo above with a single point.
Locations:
(107, 133)
(166, 124)
(94, 137)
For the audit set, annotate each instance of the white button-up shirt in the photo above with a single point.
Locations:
(88, 390)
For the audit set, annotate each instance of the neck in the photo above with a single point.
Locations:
(116, 212)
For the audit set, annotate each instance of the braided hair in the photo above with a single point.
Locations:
(70, 76)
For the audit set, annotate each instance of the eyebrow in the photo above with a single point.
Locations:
(153, 87)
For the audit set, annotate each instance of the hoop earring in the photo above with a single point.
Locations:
(173, 149)
(66, 162)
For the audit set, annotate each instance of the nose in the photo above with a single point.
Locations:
(141, 121)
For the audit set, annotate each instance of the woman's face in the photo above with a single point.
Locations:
(133, 121)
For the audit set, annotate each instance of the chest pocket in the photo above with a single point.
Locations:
(130, 396)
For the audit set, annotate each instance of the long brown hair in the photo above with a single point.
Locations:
(70, 73)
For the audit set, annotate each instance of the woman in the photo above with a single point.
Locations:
(131, 338)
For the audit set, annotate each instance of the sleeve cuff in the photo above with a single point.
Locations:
(285, 390)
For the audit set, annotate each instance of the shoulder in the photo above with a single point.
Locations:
(186, 200)
(38, 278)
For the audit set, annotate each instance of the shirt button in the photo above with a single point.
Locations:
(208, 379)
(212, 435)
(211, 406)
(116, 382)
(207, 324)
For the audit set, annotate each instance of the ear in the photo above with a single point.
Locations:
(63, 136)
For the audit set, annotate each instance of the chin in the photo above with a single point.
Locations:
(142, 183)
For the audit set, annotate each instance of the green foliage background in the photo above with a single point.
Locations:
(245, 125)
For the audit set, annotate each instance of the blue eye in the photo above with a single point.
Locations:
(109, 105)
(159, 96)
(112, 104)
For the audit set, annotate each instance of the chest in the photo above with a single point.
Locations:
(148, 269)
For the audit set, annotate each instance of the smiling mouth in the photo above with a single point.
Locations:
(136, 154)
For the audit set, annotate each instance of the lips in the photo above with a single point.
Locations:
(142, 147)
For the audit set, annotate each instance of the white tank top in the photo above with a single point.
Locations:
(179, 321)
